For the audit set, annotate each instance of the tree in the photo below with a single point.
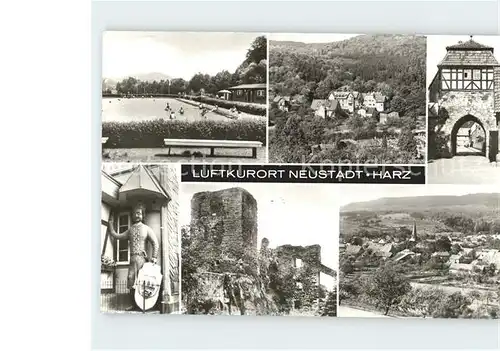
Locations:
(455, 305)
(455, 249)
(346, 266)
(330, 307)
(398, 104)
(387, 287)
(257, 51)
(490, 270)
(348, 288)
(443, 243)
(406, 141)
(422, 302)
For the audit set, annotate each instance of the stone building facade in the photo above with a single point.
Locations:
(467, 88)
(226, 221)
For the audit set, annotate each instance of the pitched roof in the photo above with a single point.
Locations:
(316, 103)
(142, 181)
(469, 45)
(380, 98)
(469, 53)
(490, 256)
(250, 86)
(341, 94)
(403, 254)
(441, 253)
(331, 104)
(352, 249)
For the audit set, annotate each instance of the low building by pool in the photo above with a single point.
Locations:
(255, 93)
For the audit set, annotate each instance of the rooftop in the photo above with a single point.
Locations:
(469, 53)
(250, 86)
(469, 45)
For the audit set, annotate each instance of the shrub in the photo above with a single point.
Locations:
(150, 134)
(252, 108)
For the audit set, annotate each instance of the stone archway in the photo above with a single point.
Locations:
(454, 135)
(461, 106)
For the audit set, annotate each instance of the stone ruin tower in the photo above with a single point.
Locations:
(226, 222)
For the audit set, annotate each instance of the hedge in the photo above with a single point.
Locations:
(150, 134)
(254, 109)
(139, 96)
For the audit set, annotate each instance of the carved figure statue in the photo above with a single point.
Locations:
(138, 234)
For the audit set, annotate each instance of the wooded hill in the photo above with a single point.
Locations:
(401, 204)
(391, 64)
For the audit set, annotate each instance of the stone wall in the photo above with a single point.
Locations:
(310, 256)
(496, 77)
(226, 221)
(457, 104)
(168, 178)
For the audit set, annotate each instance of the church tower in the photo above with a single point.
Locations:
(414, 232)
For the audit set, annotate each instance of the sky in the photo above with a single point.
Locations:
(176, 54)
(310, 37)
(286, 214)
(360, 193)
(436, 49)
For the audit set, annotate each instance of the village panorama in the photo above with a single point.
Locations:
(347, 99)
(420, 252)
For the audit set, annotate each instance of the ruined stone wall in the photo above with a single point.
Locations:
(310, 256)
(226, 221)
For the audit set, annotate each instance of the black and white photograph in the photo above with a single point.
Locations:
(140, 268)
(463, 74)
(420, 251)
(347, 98)
(184, 97)
(259, 249)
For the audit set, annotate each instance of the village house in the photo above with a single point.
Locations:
(154, 187)
(404, 255)
(382, 117)
(254, 93)
(441, 256)
(369, 112)
(384, 251)
(460, 267)
(352, 250)
(283, 102)
(349, 101)
(375, 100)
(224, 94)
(491, 256)
(393, 114)
(380, 102)
(327, 109)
